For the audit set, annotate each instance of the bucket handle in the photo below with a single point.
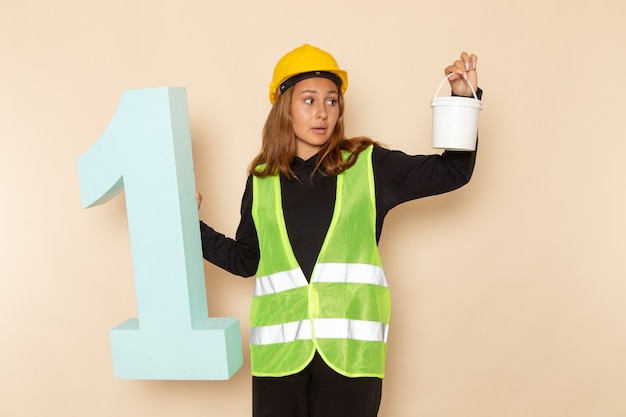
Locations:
(445, 79)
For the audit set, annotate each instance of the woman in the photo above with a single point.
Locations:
(311, 217)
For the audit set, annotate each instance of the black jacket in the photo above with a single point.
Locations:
(308, 204)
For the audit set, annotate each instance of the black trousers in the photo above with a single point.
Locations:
(316, 391)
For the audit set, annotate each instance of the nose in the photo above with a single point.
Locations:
(321, 111)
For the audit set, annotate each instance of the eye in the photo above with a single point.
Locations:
(308, 100)
(331, 101)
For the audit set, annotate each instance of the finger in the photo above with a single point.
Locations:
(474, 61)
(461, 68)
(469, 61)
(455, 70)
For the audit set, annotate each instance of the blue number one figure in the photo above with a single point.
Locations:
(146, 151)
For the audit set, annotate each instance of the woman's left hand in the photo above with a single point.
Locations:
(463, 70)
(198, 198)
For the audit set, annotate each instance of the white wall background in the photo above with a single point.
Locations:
(508, 294)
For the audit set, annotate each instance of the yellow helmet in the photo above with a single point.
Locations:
(305, 61)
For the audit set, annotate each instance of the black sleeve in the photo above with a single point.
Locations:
(239, 256)
(400, 177)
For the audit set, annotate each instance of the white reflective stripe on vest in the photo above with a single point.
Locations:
(370, 331)
(281, 281)
(281, 333)
(350, 274)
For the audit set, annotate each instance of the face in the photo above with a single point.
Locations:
(314, 114)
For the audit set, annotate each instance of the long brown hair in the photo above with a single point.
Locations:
(278, 146)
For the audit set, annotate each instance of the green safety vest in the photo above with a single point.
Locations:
(343, 312)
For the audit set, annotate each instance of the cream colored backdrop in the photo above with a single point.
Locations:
(508, 294)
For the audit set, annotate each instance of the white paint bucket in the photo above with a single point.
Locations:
(455, 121)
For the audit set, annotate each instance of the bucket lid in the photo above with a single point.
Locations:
(457, 101)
